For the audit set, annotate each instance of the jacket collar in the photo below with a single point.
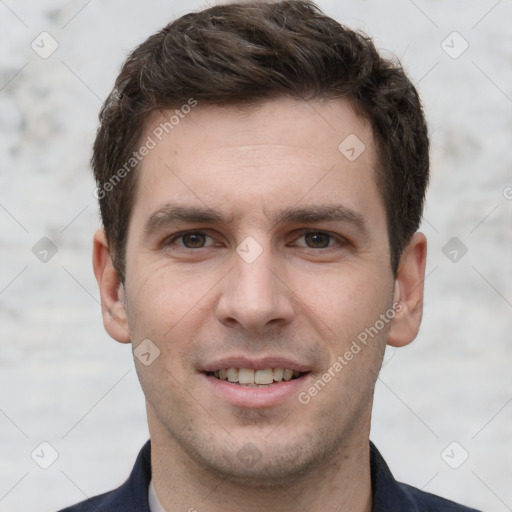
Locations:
(387, 493)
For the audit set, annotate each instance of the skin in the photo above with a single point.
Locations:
(303, 297)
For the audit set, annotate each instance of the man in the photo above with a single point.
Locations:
(261, 173)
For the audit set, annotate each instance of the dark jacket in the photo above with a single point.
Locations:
(388, 494)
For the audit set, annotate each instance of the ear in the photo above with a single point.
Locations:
(408, 294)
(111, 290)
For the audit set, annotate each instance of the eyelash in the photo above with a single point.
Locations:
(304, 232)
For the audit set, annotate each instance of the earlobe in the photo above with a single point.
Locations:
(408, 293)
(111, 290)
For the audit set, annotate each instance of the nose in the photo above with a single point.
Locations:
(255, 295)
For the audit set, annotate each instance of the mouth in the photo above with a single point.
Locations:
(265, 382)
(251, 378)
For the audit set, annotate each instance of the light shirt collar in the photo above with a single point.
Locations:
(154, 502)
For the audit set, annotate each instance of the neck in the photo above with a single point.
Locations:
(342, 483)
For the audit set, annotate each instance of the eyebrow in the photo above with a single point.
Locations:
(321, 213)
(172, 213)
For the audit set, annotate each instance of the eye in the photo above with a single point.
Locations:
(190, 240)
(317, 239)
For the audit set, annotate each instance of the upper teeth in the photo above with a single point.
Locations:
(248, 376)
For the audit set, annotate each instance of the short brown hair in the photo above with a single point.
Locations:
(250, 52)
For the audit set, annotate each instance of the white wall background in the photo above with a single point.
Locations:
(64, 381)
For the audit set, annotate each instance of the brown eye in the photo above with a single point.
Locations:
(317, 240)
(193, 240)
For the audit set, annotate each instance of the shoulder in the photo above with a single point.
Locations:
(130, 496)
(96, 504)
(390, 495)
(427, 502)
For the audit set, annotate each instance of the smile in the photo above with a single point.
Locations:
(251, 378)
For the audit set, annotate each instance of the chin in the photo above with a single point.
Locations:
(265, 463)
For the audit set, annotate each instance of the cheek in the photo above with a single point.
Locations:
(162, 306)
(346, 301)
(162, 297)
(350, 309)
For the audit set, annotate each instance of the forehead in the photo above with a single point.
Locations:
(258, 158)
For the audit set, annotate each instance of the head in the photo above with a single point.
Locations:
(298, 158)
(242, 54)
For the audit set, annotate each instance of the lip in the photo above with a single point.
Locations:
(256, 364)
(254, 398)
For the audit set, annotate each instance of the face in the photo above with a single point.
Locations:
(257, 251)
